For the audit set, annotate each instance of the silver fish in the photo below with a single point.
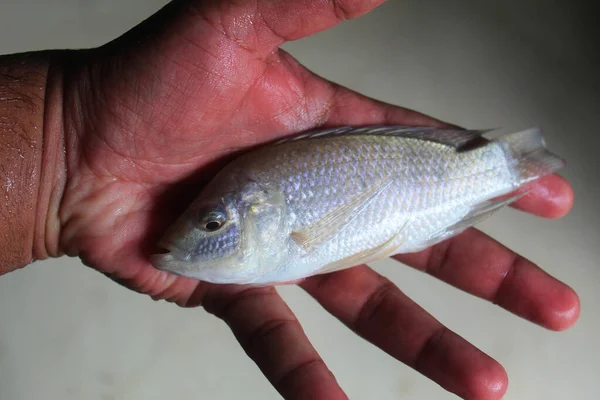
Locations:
(333, 199)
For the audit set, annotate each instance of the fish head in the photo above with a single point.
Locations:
(226, 238)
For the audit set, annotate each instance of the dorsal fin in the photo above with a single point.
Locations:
(453, 137)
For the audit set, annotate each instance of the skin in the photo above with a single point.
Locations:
(147, 119)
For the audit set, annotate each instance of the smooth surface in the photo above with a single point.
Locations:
(67, 332)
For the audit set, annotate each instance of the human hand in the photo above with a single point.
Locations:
(151, 116)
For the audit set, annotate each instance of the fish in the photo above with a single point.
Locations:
(332, 199)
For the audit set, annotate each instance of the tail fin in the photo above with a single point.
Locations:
(526, 152)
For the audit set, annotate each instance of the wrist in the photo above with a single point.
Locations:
(31, 162)
(52, 178)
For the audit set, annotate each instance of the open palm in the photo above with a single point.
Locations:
(151, 116)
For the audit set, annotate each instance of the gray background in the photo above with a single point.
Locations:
(66, 332)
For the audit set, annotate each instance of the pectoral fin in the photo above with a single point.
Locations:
(313, 235)
(386, 249)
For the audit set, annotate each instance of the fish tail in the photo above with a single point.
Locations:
(527, 154)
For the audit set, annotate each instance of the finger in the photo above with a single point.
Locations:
(378, 311)
(549, 197)
(477, 264)
(272, 336)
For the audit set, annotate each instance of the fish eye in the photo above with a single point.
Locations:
(212, 221)
(212, 226)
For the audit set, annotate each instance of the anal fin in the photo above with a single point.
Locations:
(477, 214)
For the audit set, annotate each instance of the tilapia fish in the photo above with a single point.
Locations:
(333, 199)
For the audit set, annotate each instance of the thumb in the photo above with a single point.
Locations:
(258, 26)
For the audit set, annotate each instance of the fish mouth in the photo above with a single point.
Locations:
(168, 257)
(163, 260)
(160, 250)
(164, 247)
(168, 263)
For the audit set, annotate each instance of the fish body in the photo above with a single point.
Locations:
(333, 199)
